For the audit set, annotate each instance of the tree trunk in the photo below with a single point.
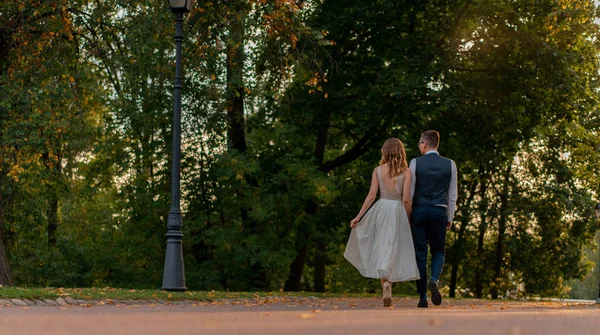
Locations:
(236, 129)
(54, 169)
(319, 270)
(480, 240)
(501, 232)
(5, 277)
(302, 243)
(321, 250)
(199, 249)
(296, 270)
(52, 213)
(458, 249)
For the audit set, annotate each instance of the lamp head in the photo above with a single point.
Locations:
(180, 6)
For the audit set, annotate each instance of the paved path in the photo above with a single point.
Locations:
(307, 316)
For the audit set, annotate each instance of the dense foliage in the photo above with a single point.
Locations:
(285, 106)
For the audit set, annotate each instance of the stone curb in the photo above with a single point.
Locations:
(68, 301)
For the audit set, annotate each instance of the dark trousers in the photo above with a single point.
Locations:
(428, 224)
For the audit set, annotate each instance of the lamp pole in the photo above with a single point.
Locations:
(174, 274)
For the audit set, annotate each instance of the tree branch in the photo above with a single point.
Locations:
(359, 148)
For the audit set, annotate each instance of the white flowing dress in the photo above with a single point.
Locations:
(381, 245)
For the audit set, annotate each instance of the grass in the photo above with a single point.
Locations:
(108, 293)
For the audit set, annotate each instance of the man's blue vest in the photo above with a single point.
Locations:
(434, 173)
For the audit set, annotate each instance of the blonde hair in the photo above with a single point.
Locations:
(393, 153)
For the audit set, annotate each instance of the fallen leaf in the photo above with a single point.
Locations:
(305, 316)
(515, 331)
(435, 322)
(26, 308)
(316, 311)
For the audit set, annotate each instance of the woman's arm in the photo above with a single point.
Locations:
(406, 191)
(369, 200)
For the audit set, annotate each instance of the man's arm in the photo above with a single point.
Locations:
(413, 179)
(452, 194)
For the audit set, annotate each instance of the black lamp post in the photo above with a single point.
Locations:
(597, 210)
(174, 275)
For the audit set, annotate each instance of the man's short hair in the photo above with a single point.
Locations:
(431, 137)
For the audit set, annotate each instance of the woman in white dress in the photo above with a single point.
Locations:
(380, 244)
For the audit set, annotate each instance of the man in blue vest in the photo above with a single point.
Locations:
(433, 193)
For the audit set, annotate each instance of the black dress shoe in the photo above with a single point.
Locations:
(436, 296)
(423, 303)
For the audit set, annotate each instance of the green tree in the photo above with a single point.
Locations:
(49, 115)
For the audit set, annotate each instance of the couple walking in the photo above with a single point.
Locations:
(415, 209)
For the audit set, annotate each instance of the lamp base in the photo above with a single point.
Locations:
(174, 289)
(174, 275)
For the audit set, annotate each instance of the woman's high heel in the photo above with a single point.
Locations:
(387, 294)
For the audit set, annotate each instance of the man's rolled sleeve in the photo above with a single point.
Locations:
(452, 194)
(413, 179)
